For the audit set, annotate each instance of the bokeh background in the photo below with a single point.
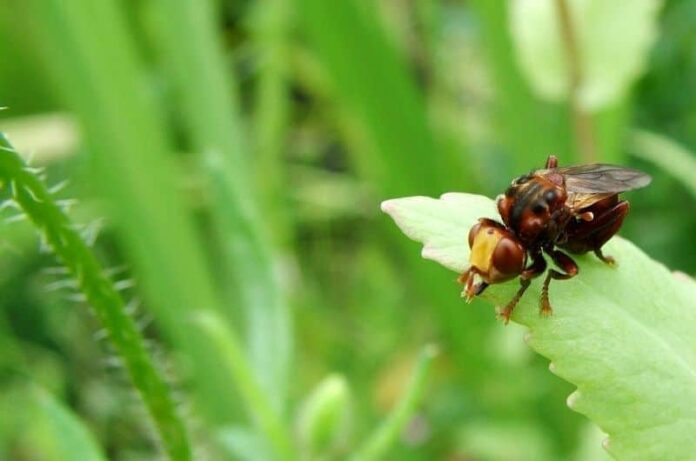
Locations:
(232, 155)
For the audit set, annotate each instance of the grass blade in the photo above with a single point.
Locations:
(210, 108)
(271, 31)
(673, 158)
(371, 82)
(258, 404)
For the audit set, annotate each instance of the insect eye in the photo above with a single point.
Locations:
(550, 196)
(508, 256)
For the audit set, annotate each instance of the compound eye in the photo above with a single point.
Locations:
(550, 196)
(508, 257)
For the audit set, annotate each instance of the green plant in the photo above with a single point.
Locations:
(623, 336)
(235, 151)
(65, 436)
(31, 196)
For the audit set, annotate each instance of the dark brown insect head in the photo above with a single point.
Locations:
(550, 211)
(534, 206)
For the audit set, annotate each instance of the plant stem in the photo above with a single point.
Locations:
(35, 200)
(582, 123)
(272, 104)
(383, 437)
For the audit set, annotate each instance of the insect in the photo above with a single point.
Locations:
(553, 211)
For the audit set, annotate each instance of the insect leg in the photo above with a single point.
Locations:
(551, 162)
(471, 289)
(570, 268)
(506, 312)
(535, 269)
(607, 259)
(608, 223)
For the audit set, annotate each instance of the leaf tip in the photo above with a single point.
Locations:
(606, 443)
(429, 253)
(527, 338)
(437, 255)
(392, 205)
(387, 206)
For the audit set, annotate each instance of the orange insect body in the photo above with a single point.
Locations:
(555, 210)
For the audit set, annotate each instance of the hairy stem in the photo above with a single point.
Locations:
(35, 200)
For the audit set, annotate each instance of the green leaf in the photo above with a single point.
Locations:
(590, 445)
(624, 336)
(57, 433)
(613, 41)
(440, 224)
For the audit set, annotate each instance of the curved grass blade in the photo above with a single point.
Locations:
(667, 154)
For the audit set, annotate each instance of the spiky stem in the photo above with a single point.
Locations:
(32, 196)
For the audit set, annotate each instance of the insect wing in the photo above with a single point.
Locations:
(598, 178)
(579, 200)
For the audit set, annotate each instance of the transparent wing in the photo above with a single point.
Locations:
(599, 178)
(579, 201)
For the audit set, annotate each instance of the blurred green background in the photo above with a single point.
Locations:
(230, 157)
